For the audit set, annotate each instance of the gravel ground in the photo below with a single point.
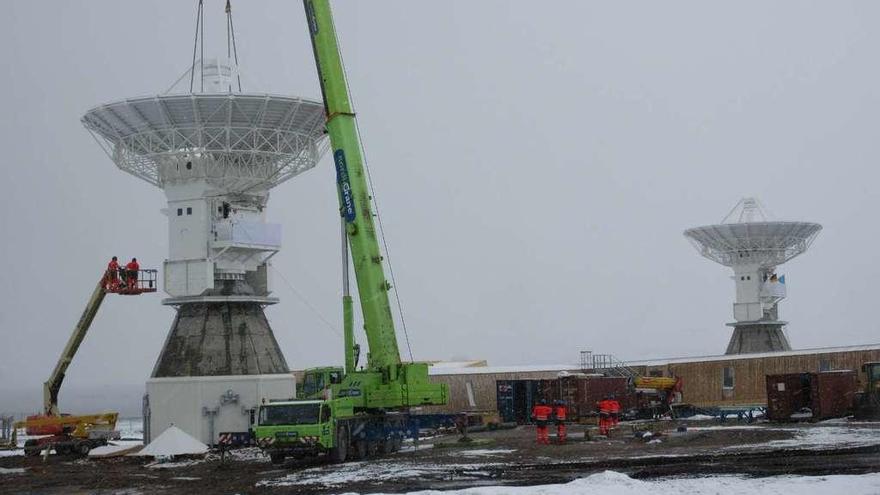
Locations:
(507, 457)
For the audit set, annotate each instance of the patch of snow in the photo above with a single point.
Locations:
(349, 473)
(613, 483)
(656, 440)
(483, 452)
(12, 470)
(247, 454)
(353, 472)
(822, 437)
(11, 453)
(698, 417)
(185, 478)
(173, 465)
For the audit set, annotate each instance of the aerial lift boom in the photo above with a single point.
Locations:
(146, 282)
(79, 433)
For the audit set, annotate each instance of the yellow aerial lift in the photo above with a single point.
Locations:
(64, 433)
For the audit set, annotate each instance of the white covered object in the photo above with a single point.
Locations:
(113, 450)
(173, 441)
(205, 406)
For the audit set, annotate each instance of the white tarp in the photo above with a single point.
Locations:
(173, 441)
(114, 450)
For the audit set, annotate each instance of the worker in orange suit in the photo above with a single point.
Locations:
(541, 416)
(131, 274)
(604, 407)
(560, 414)
(615, 412)
(111, 278)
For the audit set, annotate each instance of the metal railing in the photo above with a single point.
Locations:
(606, 363)
(127, 281)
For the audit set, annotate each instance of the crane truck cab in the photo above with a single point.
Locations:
(302, 428)
(316, 381)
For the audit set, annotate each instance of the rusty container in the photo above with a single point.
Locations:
(594, 389)
(833, 393)
(787, 394)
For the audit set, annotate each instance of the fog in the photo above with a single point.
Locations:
(535, 165)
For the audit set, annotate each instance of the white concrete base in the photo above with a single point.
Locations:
(191, 403)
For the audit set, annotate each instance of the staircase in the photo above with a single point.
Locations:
(606, 364)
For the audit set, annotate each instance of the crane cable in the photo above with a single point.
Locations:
(199, 47)
(230, 43)
(375, 204)
(200, 25)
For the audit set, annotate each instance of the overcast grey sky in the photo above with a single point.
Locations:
(535, 162)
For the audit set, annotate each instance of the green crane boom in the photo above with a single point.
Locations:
(354, 197)
(352, 413)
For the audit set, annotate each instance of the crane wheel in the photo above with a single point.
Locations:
(340, 452)
(83, 448)
(31, 449)
(360, 450)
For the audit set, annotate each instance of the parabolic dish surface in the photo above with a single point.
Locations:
(264, 138)
(766, 243)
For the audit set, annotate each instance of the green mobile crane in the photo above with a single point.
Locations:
(350, 413)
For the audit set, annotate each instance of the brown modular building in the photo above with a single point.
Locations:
(711, 381)
(475, 388)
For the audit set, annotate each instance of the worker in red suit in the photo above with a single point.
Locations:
(560, 414)
(111, 278)
(604, 407)
(615, 411)
(541, 416)
(131, 274)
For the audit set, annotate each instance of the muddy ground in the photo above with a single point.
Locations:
(495, 458)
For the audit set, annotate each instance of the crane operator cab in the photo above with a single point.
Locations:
(317, 381)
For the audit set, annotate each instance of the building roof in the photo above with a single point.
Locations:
(759, 355)
(471, 370)
(441, 369)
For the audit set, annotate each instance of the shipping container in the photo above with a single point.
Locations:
(833, 393)
(813, 396)
(787, 394)
(516, 398)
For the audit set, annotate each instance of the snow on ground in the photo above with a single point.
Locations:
(11, 453)
(483, 452)
(12, 470)
(816, 438)
(613, 483)
(355, 472)
(247, 454)
(172, 465)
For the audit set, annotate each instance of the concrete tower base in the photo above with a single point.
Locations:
(220, 338)
(752, 338)
(219, 363)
